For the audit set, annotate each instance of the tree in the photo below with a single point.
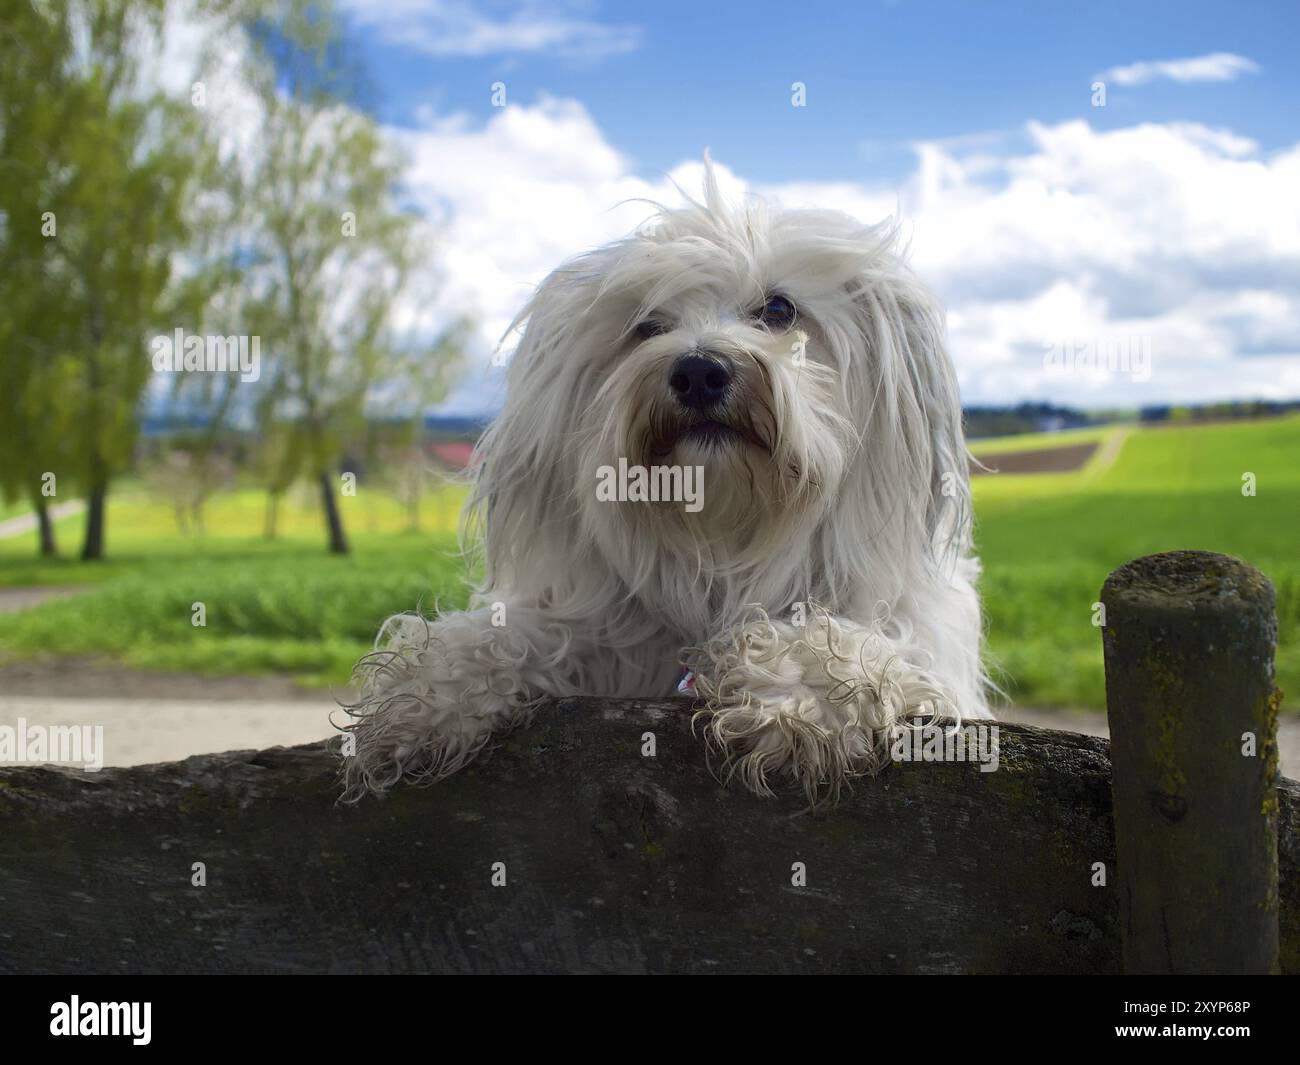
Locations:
(424, 378)
(110, 163)
(119, 219)
(333, 250)
(35, 47)
(179, 477)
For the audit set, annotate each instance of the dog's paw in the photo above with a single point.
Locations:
(812, 705)
(431, 697)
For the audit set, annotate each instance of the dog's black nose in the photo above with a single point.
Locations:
(699, 381)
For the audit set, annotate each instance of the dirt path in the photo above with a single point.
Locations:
(27, 522)
(143, 731)
(163, 717)
(1110, 449)
(14, 599)
(88, 678)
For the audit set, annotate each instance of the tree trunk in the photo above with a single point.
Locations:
(333, 519)
(49, 548)
(92, 548)
(272, 515)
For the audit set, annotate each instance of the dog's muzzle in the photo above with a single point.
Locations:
(700, 381)
(705, 406)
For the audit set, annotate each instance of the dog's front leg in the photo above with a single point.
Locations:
(813, 704)
(434, 692)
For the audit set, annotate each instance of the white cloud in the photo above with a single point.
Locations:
(1183, 234)
(458, 28)
(513, 199)
(1179, 233)
(1218, 66)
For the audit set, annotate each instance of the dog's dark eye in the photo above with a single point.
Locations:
(651, 327)
(778, 313)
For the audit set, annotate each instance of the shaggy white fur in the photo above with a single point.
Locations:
(826, 588)
(815, 703)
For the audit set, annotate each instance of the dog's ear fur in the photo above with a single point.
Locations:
(924, 334)
(912, 477)
(524, 481)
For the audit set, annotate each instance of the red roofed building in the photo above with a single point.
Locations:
(455, 454)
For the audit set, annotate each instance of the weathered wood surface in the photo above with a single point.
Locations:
(1190, 638)
(614, 863)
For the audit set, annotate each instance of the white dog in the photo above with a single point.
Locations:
(787, 368)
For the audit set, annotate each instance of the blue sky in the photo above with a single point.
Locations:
(674, 77)
(975, 120)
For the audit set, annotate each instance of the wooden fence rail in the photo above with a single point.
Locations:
(572, 850)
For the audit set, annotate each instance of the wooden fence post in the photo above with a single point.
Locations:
(1189, 638)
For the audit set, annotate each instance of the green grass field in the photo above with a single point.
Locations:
(996, 445)
(1047, 541)
(283, 605)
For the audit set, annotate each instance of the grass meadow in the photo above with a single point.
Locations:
(1047, 541)
(283, 605)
